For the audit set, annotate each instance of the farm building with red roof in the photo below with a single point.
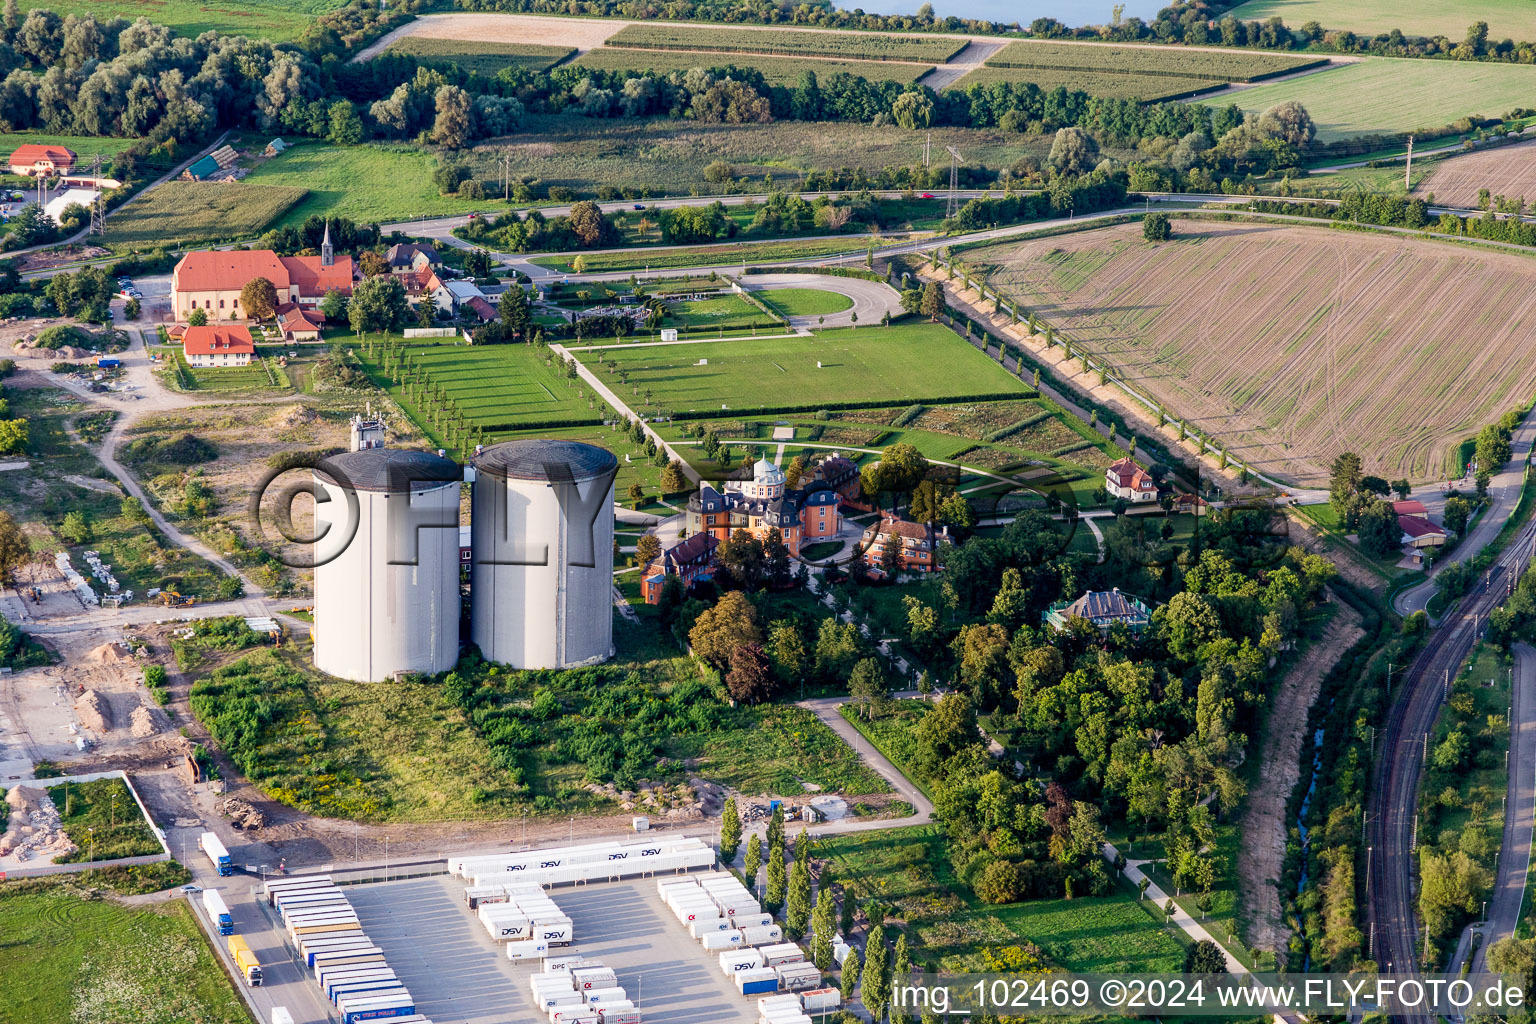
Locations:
(34, 159)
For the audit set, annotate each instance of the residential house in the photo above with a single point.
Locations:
(412, 257)
(300, 324)
(1127, 480)
(691, 560)
(761, 502)
(1420, 533)
(34, 159)
(218, 345)
(482, 308)
(451, 295)
(1102, 608)
(211, 280)
(919, 543)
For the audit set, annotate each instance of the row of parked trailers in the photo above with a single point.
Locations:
(592, 862)
(575, 990)
(350, 970)
(523, 916)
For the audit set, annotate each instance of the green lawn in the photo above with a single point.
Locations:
(365, 183)
(103, 821)
(725, 311)
(73, 956)
(1515, 19)
(277, 20)
(499, 387)
(1224, 917)
(259, 376)
(1096, 83)
(804, 301)
(484, 58)
(85, 146)
(908, 870)
(192, 211)
(1383, 95)
(906, 363)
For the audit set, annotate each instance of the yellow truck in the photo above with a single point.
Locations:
(245, 960)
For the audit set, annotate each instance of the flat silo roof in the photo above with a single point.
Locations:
(390, 470)
(547, 459)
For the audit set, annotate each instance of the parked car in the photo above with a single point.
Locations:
(639, 206)
(927, 195)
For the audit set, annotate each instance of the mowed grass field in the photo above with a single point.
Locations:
(726, 311)
(790, 42)
(68, 958)
(85, 146)
(1095, 83)
(1294, 344)
(777, 70)
(710, 255)
(804, 301)
(906, 363)
(1514, 19)
(198, 211)
(499, 384)
(363, 183)
(1383, 95)
(486, 58)
(277, 20)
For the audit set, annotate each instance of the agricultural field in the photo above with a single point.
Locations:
(1381, 95)
(1293, 344)
(1503, 170)
(908, 870)
(483, 58)
(500, 388)
(905, 363)
(363, 183)
(777, 70)
(71, 955)
(804, 301)
(277, 20)
(861, 46)
(662, 156)
(179, 212)
(1107, 84)
(345, 750)
(1513, 19)
(708, 255)
(1171, 62)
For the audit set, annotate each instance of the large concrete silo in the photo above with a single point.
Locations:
(541, 591)
(386, 591)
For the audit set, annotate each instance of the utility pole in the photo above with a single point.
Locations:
(928, 151)
(98, 205)
(506, 175)
(954, 182)
(1408, 168)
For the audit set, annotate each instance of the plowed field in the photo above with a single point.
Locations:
(1293, 344)
(1504, 171)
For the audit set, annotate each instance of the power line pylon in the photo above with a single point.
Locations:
(953, 206)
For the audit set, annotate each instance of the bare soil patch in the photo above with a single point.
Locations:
(581, 33)
(1504, 171)
(1264, 824)
(1293, 344)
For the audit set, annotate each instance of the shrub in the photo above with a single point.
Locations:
(59, 336)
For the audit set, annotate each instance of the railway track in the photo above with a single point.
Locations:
(1396, 942)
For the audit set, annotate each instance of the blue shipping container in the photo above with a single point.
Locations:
(379, 1013)
(752, 988)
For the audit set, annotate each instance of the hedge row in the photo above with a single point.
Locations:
(574, 421)
(857, 272)
(763, 410)
(1068, 449)
(908, 414)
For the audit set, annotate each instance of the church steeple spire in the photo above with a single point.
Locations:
(327, 258)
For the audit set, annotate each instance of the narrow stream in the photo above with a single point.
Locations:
(1301, 820)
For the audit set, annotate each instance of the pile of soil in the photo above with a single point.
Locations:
(145, 721)
(241, 814)
(33, 829)
(108, 654)
(94, 712)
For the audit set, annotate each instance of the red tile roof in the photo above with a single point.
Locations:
(314, 280)
(902, 528)
(1127, 474)
(1410, 508)
(32, 152)
(296, 319)
(211, 270)
(210, 340)
(484, 310)
(1414, 527)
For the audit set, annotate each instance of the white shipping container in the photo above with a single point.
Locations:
(556, 963)
(794, 1018)
(748, 982)
(581, 1014)
(550, 1000)
(702, 927)
(798, 977)
(617, 1015)
(758, 920)
(527, 950)
(821, 999)
(602, 995)
(715, 941)
(735, 960)
(590, 977)
(763, 935)
(767, 1004)
(785, 953)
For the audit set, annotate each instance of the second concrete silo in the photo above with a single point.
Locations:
(387, 566)
(541, 592)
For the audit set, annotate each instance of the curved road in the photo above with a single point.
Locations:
(871, 299)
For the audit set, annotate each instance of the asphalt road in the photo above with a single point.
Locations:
(1397, 941)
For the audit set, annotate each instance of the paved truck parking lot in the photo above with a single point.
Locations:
(457, 974)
